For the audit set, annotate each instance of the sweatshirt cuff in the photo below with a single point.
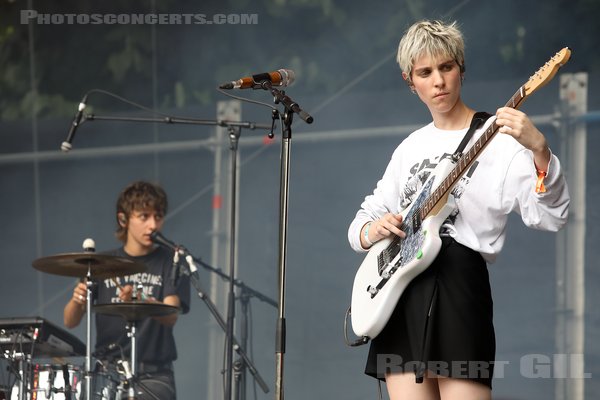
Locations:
(545, 179)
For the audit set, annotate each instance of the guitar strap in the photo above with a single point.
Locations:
(478, 120)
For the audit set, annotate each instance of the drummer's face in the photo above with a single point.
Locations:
(141, 224)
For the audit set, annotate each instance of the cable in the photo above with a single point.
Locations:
(357, 342)
(142, 107)
(247, 100)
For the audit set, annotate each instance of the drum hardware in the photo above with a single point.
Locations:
(91, 266)
(133, 312)
(57, 382)
(47, 381)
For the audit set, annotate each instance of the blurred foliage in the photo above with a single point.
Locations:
(328, 43)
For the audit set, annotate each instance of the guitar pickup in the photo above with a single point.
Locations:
(416, 222)
(380, 263)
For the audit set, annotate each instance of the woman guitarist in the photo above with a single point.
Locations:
(441, 331)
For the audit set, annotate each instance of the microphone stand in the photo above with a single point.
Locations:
(235, 344)
(177, 120)
(234, 136)
(291, 107)
(237, 282)
(239, 366)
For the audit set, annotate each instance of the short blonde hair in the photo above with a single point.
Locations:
(432, 38)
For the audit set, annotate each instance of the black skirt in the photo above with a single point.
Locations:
(442, 322)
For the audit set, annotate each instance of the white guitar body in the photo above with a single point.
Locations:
(383, 275)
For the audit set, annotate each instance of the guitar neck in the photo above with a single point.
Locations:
(467, 159)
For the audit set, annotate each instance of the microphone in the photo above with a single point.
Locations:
(66, 145)
(281, 77)
(159, 239)
(177, 251)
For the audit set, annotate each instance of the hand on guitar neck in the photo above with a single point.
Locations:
(518, 125)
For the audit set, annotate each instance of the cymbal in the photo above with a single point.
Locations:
(77, 264)
(134, 310)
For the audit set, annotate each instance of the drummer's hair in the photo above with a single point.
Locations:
(140, 195)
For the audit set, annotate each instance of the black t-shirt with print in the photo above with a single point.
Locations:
(155, 342)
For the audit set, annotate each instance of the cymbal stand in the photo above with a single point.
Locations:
(131, 370)
(131, 327)
(88, 340)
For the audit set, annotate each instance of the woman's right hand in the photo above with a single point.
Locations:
(386, 226)
(383, 227)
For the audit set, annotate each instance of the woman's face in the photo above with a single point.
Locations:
(437, 81)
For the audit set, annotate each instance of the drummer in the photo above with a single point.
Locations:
(141, 208)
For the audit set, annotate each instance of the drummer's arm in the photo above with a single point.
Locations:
(172, 300)
(75, 308)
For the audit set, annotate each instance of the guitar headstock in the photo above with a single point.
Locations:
(543, 75)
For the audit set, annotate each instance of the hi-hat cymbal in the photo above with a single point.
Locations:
(77, 264)
(134, 310)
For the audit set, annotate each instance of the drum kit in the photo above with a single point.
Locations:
(26, 341)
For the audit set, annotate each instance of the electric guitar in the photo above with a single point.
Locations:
(393, 262)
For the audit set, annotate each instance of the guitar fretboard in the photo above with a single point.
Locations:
(466, 160)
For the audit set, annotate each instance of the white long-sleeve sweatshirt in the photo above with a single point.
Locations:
(500, 181)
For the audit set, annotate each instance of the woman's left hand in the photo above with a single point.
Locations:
(518, 125)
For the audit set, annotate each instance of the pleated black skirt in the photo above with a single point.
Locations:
(442, 323)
